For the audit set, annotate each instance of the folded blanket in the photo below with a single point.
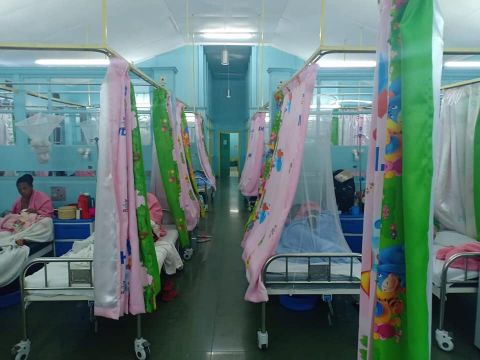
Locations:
(473, 264)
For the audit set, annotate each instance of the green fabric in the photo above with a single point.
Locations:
(148, 256)
(416, 32)
(334, 132)
(163, 136)
(476, 175)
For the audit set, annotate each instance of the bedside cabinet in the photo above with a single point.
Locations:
(352, 227)
(68, 231)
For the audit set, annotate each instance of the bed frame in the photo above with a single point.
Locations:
(79, 280)
(317, 280)
(464, 286)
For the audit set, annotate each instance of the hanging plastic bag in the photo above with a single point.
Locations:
(39, 128)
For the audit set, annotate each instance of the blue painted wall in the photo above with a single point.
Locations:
(228, 115)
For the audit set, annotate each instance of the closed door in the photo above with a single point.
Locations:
(224, 154)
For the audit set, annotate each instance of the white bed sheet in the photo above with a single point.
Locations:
(58, 272)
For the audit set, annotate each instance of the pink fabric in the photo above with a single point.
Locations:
(18, 222)
(250, 179)
(261, 240)
(202, 153)
(156, 213)
(188, 201)
(473, 264)
(38, 201)
(129, 276)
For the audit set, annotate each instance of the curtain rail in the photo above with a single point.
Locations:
(107, 51)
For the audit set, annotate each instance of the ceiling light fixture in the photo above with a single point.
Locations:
(462, 64)
(226, 36)
(346, 63)
(224, 60)
(73, 62)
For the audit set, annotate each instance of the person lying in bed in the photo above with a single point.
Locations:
(30, 200)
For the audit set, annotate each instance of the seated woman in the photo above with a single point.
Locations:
(31, 220)
(30, 200)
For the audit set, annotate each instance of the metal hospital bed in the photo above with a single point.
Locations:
(75, 285)
(318, 274)
(453, 281)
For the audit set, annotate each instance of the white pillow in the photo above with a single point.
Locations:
(447, 238)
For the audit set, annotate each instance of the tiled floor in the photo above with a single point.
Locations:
(210, 319)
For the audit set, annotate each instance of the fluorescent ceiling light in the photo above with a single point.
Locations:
(226, 36)
(224, 60)
(73, 62)
(462, 64)
(346, 63)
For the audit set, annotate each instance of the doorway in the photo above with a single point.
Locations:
(229, 154)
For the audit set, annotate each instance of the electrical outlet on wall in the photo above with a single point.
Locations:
(58, 193)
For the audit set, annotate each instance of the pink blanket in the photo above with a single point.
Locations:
(18, 222)
(473, 264)
(261, 240)
(38, 201)
(250, 179)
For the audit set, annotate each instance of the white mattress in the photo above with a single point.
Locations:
(58, 275)
(449, 238)
(278, 267)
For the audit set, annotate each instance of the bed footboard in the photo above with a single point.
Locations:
(467, 285)
(313, 273)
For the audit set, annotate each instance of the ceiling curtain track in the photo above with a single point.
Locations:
(261, 57)
(107, 51)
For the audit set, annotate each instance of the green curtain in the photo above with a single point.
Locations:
(148, 256)
(163, 138)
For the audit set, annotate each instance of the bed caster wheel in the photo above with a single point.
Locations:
(187, 254)
(444, 340)
(262, 340)
(21, 350)
(142, 349)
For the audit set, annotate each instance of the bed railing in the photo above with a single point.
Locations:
(80, 278)
(314, 261)
(465, 281)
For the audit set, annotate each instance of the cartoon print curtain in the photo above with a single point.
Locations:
(126, 277)
(202, 151)
(250, 179)
(262, 236)
(454, 203)
(188, 196)
(395, 296)
(165, 182)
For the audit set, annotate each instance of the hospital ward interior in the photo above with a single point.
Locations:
(258, 179)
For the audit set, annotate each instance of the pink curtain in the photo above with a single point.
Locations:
(250, 179)
(202, 152)
(119, 276)
(188, 200)
(261, 239)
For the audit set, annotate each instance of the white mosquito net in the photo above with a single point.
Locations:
(39, 128)
(313, 224)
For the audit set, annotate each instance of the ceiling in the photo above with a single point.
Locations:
(142, 29)
(238, 56)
